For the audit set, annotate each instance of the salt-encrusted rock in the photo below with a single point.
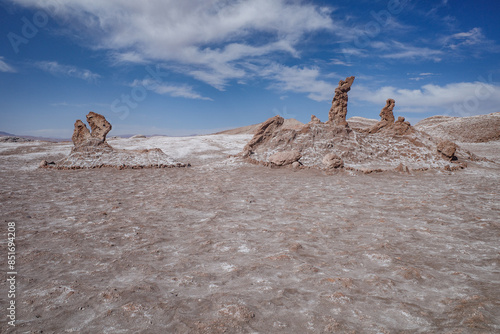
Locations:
(447, 149)
(264, 133)
(334, 145)
(92, 151)
(285, 158)
(338, 111)
(331, 160)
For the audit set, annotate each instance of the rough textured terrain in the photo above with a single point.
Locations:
(474, 129)
(227, 247)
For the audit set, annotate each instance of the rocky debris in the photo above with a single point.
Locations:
(285, 158)
(332, 161)
(338, 111)
(264, 133)
(14, 139)
(91, 150)
(474, 129)
(315, 120)
(447, 149)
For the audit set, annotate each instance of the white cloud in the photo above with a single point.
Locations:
(340, 62)
(213, 37)
(467, 97)
(54, 68)
(185, 91)
(300, 80)
(4, 67)
(410, 52)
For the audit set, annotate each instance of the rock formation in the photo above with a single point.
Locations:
(386, 145)
(99, 126)
(91, 150)
(401, 127)
(315, 120)
(264, 133)
(338, 111)
(386, 117)
(85, 140)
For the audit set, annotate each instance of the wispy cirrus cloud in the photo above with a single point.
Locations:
(401, 51)
(56, 69)
(4, 67)
(184, 91)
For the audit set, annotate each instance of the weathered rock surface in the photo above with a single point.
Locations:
(338, 111)
(285, 158)
(99, 126)
(386, 117)
(264, 133)
(91, 150)
(331, 160)
(315, 120)
(447, 149)
(473, 129)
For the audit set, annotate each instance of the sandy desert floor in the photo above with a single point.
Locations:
(227, 247)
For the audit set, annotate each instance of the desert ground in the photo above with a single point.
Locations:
(224, 246)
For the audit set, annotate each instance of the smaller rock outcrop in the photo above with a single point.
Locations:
(264, 133)
(447, 149)
(338, 111)
(91, 150)
(285, 158)
(315, 120)
(401, 127)
(386, 117)
(387, 124)
(332, 161)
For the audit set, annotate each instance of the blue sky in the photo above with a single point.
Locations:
(197, 66)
